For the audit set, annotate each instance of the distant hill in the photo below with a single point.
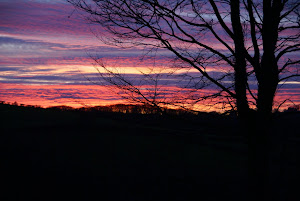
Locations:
(15, 115)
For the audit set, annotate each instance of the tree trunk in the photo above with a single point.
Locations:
(267, 85)
(260, 167)
(240, 62)
(260, 142)
(241, 93)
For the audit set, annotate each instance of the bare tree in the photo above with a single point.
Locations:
(251, 38)
(257, 41)
(155, 86)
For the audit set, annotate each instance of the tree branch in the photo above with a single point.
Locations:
(217, 13)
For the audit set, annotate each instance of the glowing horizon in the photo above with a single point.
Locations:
(45, 59)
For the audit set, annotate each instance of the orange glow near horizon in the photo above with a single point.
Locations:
(86, 96)
(69, 95)
(54, 95)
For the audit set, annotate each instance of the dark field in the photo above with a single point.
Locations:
(73, 155)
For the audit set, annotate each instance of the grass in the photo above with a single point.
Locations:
(51, 154)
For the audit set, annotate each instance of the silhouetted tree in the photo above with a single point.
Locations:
(250, 37)
(257, 42)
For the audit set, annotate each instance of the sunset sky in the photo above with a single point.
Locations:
(45, 58)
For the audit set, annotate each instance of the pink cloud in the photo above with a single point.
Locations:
(80, 95)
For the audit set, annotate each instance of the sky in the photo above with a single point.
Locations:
(45, 58)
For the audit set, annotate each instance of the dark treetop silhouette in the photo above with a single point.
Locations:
(254, 40)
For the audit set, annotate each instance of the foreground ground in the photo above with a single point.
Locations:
(54, 155)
